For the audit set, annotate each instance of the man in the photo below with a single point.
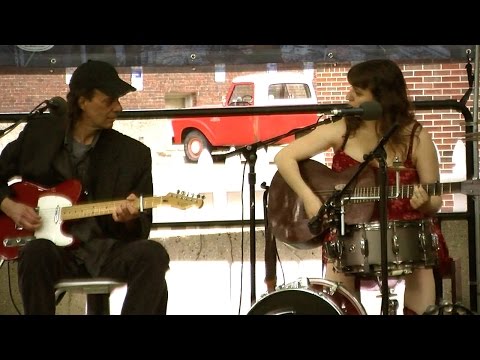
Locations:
(82, 145)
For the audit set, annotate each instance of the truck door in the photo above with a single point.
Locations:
(239, 129)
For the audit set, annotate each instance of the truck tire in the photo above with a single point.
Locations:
(194, 143)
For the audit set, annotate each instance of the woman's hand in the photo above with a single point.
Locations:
(312, 206)
(419, 197)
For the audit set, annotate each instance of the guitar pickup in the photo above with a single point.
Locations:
(17, 241)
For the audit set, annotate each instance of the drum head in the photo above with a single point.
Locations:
(294, 302)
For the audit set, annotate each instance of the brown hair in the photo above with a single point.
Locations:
(74, 110)
(385, 80)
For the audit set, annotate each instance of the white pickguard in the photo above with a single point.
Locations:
(50, 207)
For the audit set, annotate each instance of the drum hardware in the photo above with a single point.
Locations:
(435, 243)
(423, 245)
(364, 246)
(447, 308)
(392, 306)
(395, 245)
(393, 303)
(297, 284)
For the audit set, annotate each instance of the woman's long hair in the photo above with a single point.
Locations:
(385, 80)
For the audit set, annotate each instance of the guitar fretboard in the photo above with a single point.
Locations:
(404, 191)
(104, 208)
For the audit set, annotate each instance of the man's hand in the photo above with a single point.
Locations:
(24, 216)
(127, 209)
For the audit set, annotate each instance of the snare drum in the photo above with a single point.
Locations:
(410, 245)
(309, 297)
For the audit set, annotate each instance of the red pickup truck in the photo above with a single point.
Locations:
(262, 89)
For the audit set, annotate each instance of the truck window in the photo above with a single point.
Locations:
(242, 94)
(289, 91)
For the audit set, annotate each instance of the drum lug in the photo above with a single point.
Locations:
(364, 251)
(332, 289)
(364, 246)
(422, 243)
(435, 242)
(395, 245)
(334, 249)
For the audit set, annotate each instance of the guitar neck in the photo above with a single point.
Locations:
(104, 208)
(406, 191)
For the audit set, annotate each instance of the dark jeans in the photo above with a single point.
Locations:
(141, 264)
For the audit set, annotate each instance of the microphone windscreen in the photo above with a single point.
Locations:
(372, 110)
(57, 106)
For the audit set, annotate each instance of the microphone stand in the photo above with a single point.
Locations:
(250, 154)
(377, 153)
(380, 154)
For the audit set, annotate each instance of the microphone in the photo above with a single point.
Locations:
(57, 106)
(369, 110)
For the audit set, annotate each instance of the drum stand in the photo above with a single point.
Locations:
(392, 307)
(392, 302)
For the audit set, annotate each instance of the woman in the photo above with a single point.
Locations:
(351, 138)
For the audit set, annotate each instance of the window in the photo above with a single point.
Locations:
(289, 91)
(242, 94)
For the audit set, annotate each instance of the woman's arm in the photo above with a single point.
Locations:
(426, 159)
(315, 142)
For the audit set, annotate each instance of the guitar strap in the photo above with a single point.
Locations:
(410, 146)
(345, 139)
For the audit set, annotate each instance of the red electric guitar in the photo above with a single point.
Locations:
(56, 205)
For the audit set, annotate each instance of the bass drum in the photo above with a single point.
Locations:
(309, 297)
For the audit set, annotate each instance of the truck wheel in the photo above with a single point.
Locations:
(194, 143)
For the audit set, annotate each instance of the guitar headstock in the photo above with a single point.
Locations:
(183, 200)
(470, 187)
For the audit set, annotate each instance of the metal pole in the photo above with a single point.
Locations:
(476, 174)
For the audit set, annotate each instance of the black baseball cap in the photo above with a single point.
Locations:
(95, 74)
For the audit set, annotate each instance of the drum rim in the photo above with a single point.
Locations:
(375, 225)
(307, 290)
(312, 281)
(358, 305)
